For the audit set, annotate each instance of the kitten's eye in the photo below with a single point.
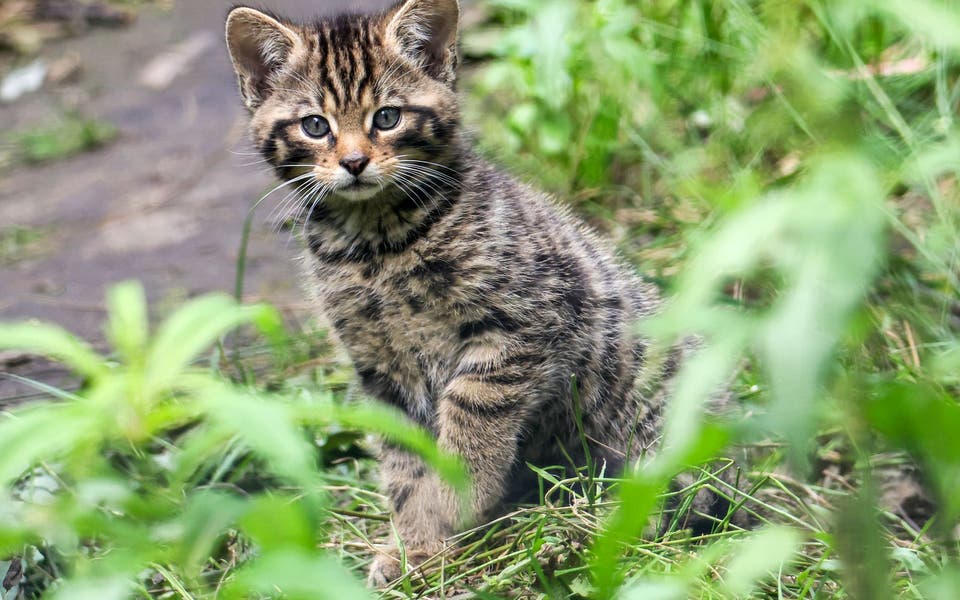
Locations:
(386, 118)
(315, 126)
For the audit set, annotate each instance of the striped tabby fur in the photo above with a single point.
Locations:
(463, 297)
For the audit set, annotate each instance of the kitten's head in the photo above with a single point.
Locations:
(360, 102)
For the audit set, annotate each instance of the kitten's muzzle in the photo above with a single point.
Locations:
(354, 163)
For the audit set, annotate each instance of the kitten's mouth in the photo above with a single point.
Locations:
(358, 190)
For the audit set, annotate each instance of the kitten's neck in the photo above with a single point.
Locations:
(388, 223)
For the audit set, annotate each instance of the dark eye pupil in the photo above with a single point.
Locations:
(386, 118)
(316, 126)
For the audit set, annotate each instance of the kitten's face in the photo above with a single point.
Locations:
(353, 106)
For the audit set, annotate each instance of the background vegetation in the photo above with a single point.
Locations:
(786, 169)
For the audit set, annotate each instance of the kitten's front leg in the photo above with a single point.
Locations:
(423, 513)
(481, 415)
(479, 419)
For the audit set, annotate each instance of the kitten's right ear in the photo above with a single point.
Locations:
(259, 45)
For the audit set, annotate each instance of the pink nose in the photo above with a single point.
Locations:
(355, 163)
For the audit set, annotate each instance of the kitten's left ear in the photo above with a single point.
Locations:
(425, 31)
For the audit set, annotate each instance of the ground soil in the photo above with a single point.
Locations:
(164, 203)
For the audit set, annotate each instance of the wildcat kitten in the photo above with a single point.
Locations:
(463, 297)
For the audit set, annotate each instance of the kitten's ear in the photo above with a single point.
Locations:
(259, 45)
(425, 31)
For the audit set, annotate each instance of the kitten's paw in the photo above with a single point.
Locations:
(384, 569)
(386, 566)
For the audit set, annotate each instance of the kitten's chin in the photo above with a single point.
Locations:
(358, 193)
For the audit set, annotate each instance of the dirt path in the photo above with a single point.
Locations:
(165, 202)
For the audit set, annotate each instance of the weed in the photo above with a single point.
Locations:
(67, 137)
(161, 476)
(18, 243)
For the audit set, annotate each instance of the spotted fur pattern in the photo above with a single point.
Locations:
(464, 298)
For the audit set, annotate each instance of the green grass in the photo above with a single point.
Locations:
(801, 208)
(19, 243)
(67, 137)
(787, 171)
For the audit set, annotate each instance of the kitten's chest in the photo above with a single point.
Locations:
(400, 317)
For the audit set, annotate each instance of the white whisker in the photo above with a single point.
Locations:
(285, 206)
(280, 187)
(319, 198)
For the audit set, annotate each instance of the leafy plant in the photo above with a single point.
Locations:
(788, 170)
(125, 489)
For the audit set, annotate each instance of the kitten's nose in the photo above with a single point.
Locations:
(355, 163)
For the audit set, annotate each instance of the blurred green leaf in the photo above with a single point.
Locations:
(943, 586)
(861, 547)
(555, 134)
(638, 495)
(113, 588)
(191, 329)
(551, 26)
(826, 238)
(128, 327)
(269, 427)
(655, 590)
(937, 21)
(298, 576)
(42, 432)
(398, 428)
(758, 557)
(905, 414)
(206, 518)
(280, 523)
(946, 365)
(54, 342)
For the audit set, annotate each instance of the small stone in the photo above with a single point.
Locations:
(13, 575)
(13, 358)
(22, 81)
(64, 69)
(165, 68)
